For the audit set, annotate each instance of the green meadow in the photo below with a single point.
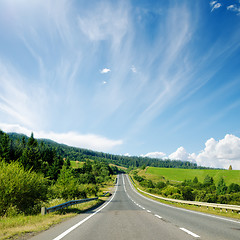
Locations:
(177, 174)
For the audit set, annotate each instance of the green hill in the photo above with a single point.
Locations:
(175, 174)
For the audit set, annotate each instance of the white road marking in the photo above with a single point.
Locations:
(157, 216)
(190, 233)
(84, 220)
(148, 211)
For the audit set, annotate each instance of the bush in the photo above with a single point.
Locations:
(160, 185)
(20, 189)
(170, 190)
(187, 193)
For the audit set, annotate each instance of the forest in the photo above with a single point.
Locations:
(33, 172)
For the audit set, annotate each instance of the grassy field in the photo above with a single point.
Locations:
(176, 174)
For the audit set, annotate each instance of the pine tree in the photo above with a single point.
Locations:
(5, 147)
(221, 187)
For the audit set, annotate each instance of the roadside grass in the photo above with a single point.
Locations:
(202, 209)
(16, 227)
(179, 175)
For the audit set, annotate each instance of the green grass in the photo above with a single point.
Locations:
(176, 174)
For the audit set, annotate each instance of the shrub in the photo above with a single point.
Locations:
(200, 195)
(187, 193)
(233, 188)
(210, 198)
(20, 189)
(160, 185)
(170, 190)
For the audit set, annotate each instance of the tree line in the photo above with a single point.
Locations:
(79, 154)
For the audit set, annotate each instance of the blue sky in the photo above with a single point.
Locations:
(154, 78)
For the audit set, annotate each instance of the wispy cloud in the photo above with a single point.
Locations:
(16, 102)
(133, 68)
(105, 21)
(234, 8)
(215, 5)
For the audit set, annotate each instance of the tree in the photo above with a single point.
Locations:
(30, 158)
(5, 147)
(195, 180)
(208, 181)
(221, 187)
(32, 142)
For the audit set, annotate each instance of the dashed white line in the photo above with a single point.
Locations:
(190, 233)
(157, 216)
(148, 211)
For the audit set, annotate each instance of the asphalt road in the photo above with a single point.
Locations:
(129, 215)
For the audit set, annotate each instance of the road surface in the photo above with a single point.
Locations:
(130, 215)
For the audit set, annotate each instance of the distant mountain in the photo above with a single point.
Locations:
(81, 154)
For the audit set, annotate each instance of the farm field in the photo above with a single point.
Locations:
(176, 174)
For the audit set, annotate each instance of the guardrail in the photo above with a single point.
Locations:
(226, 207)
(45, 210)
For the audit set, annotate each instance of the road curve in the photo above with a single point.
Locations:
(129, 215)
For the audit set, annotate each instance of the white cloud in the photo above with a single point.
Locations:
(221, 153)
(159, 155)
(183, 155)
(89, 141)
(104, 82)
(216, 154)
(105, 70)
